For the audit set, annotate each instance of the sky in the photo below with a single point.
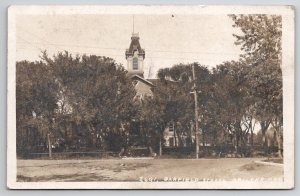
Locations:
(167, 39)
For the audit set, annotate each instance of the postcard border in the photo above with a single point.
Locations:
(288, 53)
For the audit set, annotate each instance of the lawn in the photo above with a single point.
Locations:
(144, 169)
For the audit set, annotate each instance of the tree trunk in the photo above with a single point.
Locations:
(264, 127)
(237, 137)
(264, 144)
(251, 139)
(279, 141)
(122, 152)
(236, 143)
(175, 136)
(160, 146)
(279, 145)
(251, 128)
(49, 145)
(203, 143)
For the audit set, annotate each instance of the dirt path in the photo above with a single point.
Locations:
(135, 170)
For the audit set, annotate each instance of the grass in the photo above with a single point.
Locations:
(133, 169)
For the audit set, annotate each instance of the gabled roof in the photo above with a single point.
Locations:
(135, 45)
(137, 77)
(153, 81)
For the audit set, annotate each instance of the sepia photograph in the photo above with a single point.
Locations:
(150, 97)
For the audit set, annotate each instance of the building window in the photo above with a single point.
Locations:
(171, 127)
(135, 63)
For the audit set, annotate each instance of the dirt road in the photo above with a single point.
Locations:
(144, 169)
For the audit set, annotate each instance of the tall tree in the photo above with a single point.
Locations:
(98, 91)
(260, 40)
(90, 95)
(174, 88)
(36, 103)
(230, 95)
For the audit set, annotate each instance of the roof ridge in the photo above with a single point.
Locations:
(141, 78)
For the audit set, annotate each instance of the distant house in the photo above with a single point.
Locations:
(175, 137)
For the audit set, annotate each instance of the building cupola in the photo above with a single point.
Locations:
(135, 56)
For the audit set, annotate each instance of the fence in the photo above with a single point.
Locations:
(70, 155)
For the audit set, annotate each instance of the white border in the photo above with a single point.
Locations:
(288, 45)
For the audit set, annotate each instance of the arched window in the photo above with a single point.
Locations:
(135, 63)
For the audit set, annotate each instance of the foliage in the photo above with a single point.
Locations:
(86, 96)
(36, 102)
(261, 43)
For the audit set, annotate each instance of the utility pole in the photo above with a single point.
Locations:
(196, 113)
(49, 145)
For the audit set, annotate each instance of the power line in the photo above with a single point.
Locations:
(45, 42)
(123, 49)
(29, 42)
(118, 55)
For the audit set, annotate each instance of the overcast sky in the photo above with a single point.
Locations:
(167, 39)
